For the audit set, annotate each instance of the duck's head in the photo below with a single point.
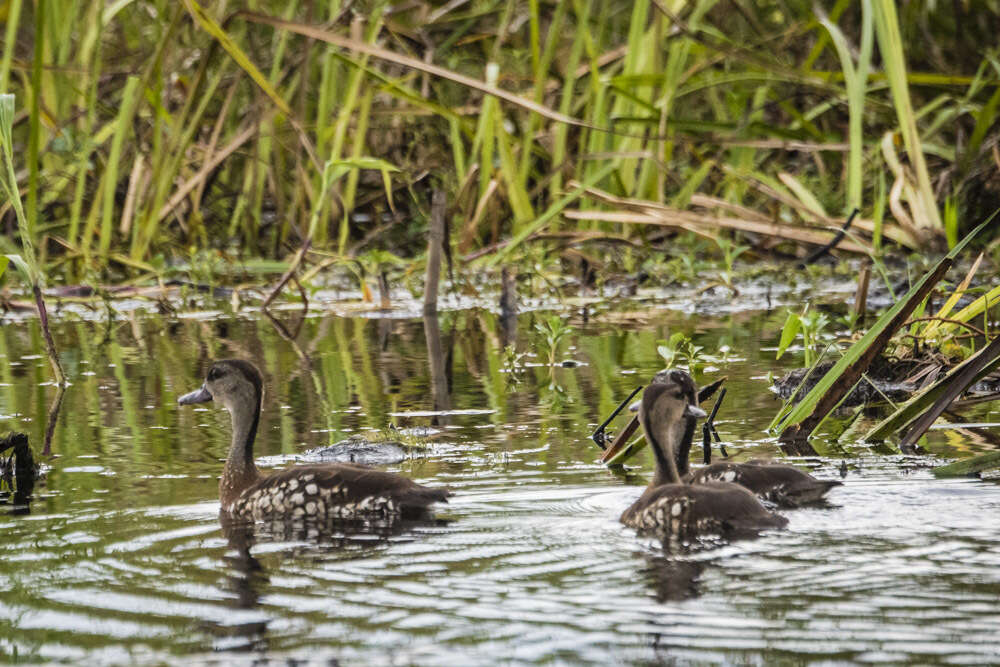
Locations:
(668, 412)
(671, 397)
(233, 383)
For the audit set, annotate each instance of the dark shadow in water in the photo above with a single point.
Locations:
(53, 418)
(19, 472)
(248, 578)
(508, 307)
(438, 369)
(673, 579)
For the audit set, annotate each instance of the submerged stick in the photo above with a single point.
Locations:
(619, 442)
(598, 435)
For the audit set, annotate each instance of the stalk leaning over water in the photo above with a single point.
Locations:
(27, 262)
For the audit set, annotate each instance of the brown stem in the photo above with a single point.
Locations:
(288, 274)
(435, 243)
(50, 346)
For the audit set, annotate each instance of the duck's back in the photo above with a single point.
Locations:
(335, 491)
(781, 484)
(685, 510)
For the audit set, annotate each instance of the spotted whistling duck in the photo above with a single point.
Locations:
(314, 492)
(671, 508)
(778, 483)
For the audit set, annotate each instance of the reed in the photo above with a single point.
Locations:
(149, 132)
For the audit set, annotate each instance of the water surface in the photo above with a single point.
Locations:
(122, 557)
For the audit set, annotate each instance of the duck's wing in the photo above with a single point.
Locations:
(783, 484)
(355, 488)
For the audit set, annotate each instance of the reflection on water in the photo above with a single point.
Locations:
(122, 557)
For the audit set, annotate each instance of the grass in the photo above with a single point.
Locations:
(149, 128)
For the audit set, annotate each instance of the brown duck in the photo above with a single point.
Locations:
(778, 483)
(670, 508)
(309, 492)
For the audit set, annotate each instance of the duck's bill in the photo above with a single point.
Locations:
(196, 396)
(695, 411)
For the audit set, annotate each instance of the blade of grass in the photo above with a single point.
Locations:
(551, 212)
(965, 376)
(10, 40)
(971, 466)
(856, 79)
(209, 25)
(123, 124)
(406, 61)
(924, 399)
(890, 43)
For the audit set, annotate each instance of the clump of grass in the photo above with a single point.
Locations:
(149, 134)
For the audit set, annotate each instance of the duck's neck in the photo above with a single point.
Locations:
(240, 471)
(683, 448)
(663, 443)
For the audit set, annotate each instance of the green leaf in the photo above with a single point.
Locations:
(3, 264)
(793, 324)
(209, 25)
(21, 266)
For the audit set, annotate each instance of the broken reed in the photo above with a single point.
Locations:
(156, 128)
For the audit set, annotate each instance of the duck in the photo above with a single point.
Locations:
(781, 484)
(778, 483)
(671, 508)
(319, 492)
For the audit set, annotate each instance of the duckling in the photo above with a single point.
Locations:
(670, 508)
(315, 492)
(778, 483)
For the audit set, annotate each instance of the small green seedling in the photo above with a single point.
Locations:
(552, 332)
(680, 348)
(809, 325)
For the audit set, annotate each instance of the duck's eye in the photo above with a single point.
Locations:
(214, 374)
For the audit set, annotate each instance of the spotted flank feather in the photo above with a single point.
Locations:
(781, 484)
(335, 491)
(685, 512)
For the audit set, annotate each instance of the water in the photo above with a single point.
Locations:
(122, 557)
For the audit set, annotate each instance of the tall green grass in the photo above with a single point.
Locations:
(151, 128)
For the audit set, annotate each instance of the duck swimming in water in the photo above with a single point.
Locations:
(670, 508)
(778, 483)
(315, 492)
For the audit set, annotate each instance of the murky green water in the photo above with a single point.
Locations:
(122, 558)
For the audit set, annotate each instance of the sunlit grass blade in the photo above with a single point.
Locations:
(122, 126)
(890, 42)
